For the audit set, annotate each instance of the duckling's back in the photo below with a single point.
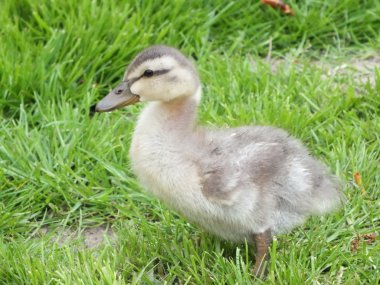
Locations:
(289, 182)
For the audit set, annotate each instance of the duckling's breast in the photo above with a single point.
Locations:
(166, 173)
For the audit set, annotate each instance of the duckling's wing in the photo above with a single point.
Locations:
(242, 159)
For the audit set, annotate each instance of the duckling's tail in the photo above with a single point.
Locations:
(327, 195)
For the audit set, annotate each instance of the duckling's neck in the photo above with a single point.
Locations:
(179, 113)
(164, 139)
(173, 118)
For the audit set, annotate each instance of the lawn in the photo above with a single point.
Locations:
(65, 176)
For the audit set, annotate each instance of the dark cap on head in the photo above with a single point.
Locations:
(157, 51)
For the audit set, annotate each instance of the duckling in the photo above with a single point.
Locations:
(245, 183)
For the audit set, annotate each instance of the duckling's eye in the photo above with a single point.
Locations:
(148, 73)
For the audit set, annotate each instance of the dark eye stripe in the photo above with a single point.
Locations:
(161, 71)
(156, 72)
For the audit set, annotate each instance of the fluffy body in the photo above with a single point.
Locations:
(232, 182)
(235, 183)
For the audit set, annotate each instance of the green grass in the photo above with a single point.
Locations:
(60, 169)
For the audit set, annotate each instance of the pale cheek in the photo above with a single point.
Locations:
(169, 91)
(136, 88)
(154, 88)
(147, 90)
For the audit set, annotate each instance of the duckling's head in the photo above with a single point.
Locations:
(159, 73)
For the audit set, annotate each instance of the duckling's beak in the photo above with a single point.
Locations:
(120, 97)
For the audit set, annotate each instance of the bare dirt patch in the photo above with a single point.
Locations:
(90, 237)
(362, 70)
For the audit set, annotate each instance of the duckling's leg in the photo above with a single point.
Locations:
(262, 241)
